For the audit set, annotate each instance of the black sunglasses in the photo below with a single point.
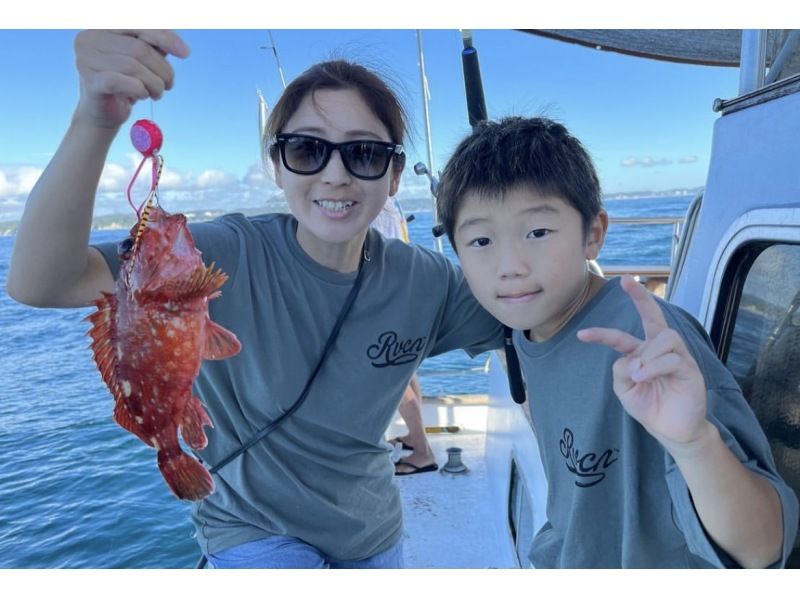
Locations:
(363, 158)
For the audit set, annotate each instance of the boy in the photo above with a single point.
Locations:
(673, 471)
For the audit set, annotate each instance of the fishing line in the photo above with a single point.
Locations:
(147, 138)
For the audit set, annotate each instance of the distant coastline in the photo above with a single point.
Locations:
(126, 220)
(694, 192)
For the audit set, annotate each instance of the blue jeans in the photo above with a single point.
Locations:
(285, 552)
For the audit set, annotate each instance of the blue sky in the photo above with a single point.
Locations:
(647, 124)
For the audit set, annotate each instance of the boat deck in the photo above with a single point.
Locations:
(448, 518)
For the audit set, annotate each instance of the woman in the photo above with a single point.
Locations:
(318, 491)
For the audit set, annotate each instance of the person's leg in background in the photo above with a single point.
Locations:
(421, 458)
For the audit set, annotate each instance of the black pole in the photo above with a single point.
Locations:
(476, 104)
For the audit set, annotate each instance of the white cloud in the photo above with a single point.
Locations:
(5, 185)
(182, 190)
(257, 177)
(18, 180)
(27, 177)
(171, 179)
(687, 160)
(214, 178)
(645, 162)
(113, 178)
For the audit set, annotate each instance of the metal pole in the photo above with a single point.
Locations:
(274, 49)
(780, 60)
(753, 60)
(437, 241)
(277, 60)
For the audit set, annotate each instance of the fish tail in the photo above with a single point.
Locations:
(186, 477)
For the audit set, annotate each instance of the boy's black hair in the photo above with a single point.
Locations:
(517, 151)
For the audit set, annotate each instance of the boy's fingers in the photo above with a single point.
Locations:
(622, 379)
(667, 341)
(618, 340)
(664, 365)
(652, 317)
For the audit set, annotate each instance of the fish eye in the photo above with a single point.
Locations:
(125, 247)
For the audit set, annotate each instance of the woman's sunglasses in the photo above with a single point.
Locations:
(364, 159)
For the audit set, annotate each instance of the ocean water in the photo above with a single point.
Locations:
(77, 491)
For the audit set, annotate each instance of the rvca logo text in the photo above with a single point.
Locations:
(590, 468)
(391, 351)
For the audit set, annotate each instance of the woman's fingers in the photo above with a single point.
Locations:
(111, 83)
(165, 40)
(120, 67)
(99, 52)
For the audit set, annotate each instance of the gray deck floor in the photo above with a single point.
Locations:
(448, 523)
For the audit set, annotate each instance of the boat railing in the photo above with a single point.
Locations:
(654, 276)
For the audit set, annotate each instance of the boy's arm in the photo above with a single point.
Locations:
(739, 509)
(51, 264)
(660, 385)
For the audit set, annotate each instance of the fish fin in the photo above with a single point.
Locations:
(202, 282)
(186, 477)
(205, 282)
(221, 343)
(127, 420)
(194, 418)
(103, 334)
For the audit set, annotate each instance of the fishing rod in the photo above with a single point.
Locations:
(473, 85)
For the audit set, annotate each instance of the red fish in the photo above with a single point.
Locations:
(150, 337)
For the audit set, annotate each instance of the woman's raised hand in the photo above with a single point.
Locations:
(118, 68)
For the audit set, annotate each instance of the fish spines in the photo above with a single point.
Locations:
(103, 335)
(202, 282)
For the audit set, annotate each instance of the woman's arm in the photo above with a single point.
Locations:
(52, 264)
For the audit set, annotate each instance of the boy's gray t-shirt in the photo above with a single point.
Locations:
(324, 475)
(615, 496)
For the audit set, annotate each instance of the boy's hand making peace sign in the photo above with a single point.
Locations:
(657, 380)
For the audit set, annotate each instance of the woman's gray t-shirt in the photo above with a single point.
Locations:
(324, 475)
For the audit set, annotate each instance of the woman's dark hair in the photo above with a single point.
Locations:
(341, 74)
(518, 151)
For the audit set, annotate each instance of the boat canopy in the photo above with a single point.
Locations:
(712, 47)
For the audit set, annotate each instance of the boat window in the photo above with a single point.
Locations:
(520, 517)
(764, 354)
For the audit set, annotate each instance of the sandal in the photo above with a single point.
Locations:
(398, 440)
(414, 468)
